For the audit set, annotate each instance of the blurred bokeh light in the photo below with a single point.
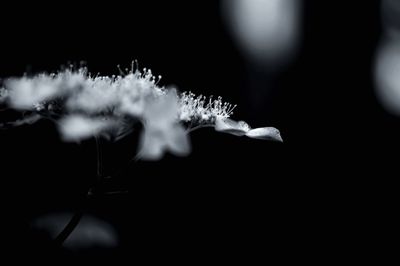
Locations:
(387, 68)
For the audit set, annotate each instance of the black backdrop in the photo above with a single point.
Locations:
(232, 197)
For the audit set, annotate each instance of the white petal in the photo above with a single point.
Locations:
(78, 127)
(232, 127)
(266, 133)
(155, 142)
(162, 111)
(152, 144)
(178, 141)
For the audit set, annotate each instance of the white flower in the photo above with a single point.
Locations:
(241, 128)
(25, 92)
(162, 132)
(133, 91)
(96, 95)
(78, 127)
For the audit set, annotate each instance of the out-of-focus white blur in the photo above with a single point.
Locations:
(387, 64)
(91, 231)
(267, 31)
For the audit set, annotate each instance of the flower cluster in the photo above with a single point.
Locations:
(81, 92)
(203, 110)
(84, 106)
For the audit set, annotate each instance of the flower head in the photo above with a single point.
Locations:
(84, 106)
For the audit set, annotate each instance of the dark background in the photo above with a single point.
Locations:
(236, 198)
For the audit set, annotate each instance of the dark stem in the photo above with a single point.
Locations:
(76, 218)
(69, 228)
(99, 161)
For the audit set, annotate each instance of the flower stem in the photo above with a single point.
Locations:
(99, 160)
(70, 227)
(189, 130)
